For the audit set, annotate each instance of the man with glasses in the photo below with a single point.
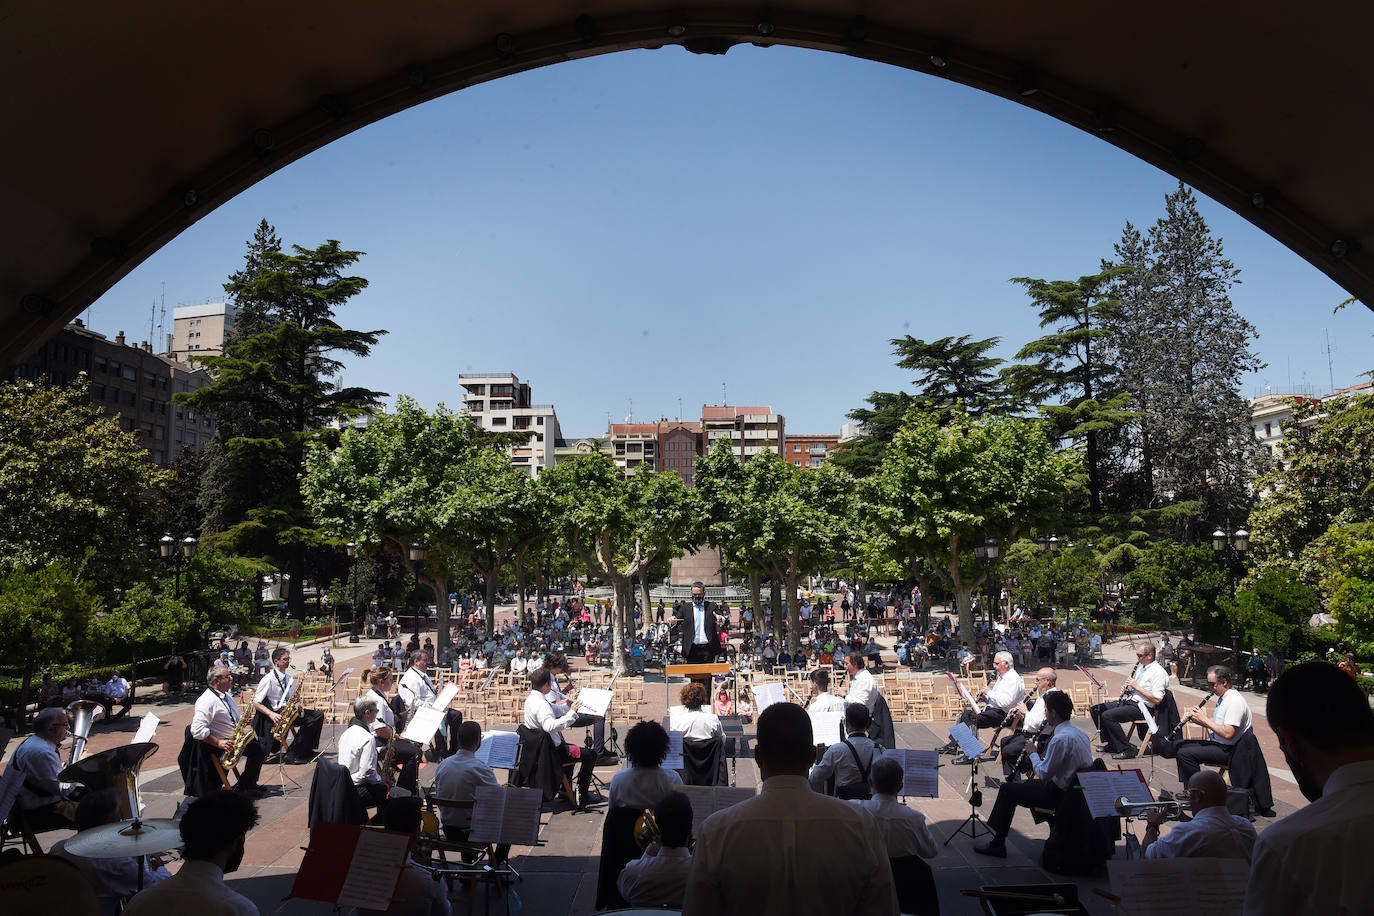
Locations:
(1145, 687)
(213, 722)
(1228, 724)
(1014, 762)
(46, 803)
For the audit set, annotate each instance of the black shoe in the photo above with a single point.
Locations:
(992, 782)
(1124, 755)
(996, 848)
(1266, 812)
(960, 760)
(1102, 748)
(252, 791)
(951, 748)
(607, 760)
(1165, 795)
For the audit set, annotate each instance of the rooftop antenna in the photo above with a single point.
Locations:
(630, 416)
(679, 410)
(162, 316)
(724, 400)
(1330, 371)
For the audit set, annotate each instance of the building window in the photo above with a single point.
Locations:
(101, 365)
(159, 433)
(796, 447)
(539, 421)
(498, 421)
(131, 373)
(1268, 431)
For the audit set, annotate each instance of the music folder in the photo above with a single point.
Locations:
(372, 861)
(502, 814)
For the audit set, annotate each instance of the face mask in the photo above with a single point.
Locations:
(235, 859)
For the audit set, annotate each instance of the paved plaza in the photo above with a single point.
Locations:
(559, 876)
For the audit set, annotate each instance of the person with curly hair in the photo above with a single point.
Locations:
(644, 782)
(694, 721)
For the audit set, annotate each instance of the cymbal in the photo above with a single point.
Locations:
(126, 838)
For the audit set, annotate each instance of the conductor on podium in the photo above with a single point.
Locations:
(698, 619)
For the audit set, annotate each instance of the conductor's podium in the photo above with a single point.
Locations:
(700, 671)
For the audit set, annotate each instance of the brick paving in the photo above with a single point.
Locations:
(559, 876)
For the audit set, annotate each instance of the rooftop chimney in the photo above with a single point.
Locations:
(119, 338)
(147, 347)
(78, 322)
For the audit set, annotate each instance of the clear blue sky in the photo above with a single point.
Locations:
(652, 224)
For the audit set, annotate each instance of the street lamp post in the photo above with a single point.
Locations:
(986, 553)
(417, 556)
(176, 552)
(353, 574)
(1230, 549)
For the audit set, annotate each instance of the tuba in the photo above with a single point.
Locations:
(243, 733)
(83, 713)
(289, 714)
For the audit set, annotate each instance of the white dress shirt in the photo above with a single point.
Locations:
(1316, 859)
(113, 880)
(197, 887)
(37, 758)
(826, 702)
(698, 624)
(416, 688)
(774, 835)
(862, 689)
(699, 724)
(457, 779)
(542, 713)
(1008, 691)
(1035, 718)
(215, 715)
(385, 717)
(838, 762)
(656, 878)
(116, 688)
(1213, 833)
(358, 752)
(1232, 710)
(642, 787)
(274, 689)
(1069, 751)
(905, 832)
(1154, 680)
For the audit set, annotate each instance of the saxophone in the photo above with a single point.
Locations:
(289, 714)
(389, 768)
(243, 733)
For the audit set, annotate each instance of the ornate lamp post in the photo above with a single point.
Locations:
(417, 556)
(1230, 549)
(176, 552)
(986, 553)
(352, 549)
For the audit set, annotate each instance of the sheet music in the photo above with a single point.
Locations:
(967, 740)
(766, 695)
(375, 869)
(963, 692)
(1101, 789)
(707, 800)
(919, 775)
(146, 727)
(594, 701)
(445, 696)
(498, 749)
(1150, 887)
(826, 725)
(503, 814)
(10, 784)
(423, 724)
(1149, 719)
(674, 759)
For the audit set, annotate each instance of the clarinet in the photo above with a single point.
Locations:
(1031, 740)
(1126, 691)
(1186, 719)
(1008, 718)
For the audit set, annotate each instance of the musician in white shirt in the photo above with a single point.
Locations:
(862, 688)
(557, 663)
(418, 690)
(694, 718)
(405, 754)
(659, 876)
(358, 753)
(1213, 833)
(905, 831)
(213, 722)
(1014, 763)
(1147, 684)
(1227, 724)
(1001, 698)
(1069, 751)
(542, 713)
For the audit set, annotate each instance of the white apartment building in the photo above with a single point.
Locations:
(500, 402)
(199, 330)
(750, 429)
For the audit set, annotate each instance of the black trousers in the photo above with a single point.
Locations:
(1035, 793)
(990, 717)
(598, 724)
(1193, 754)
(1012, 747)
(585, 764)
(250, 763)
(1108, 718)
(406, 757)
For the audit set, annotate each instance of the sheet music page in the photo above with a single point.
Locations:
(375, 869)
(674, 759)
(423, 724)
(766, 695)
(1151, 887)
(1149, 719)
(10, 784)
(703, 802)
(729, 796)
(919, 775)
(1096, 682)
(146, 727)
(967, 740)
(963, 692)
(445, 696)
(521, 819)
(488, 814)
(826, 725)
(500, 749)
(1101, 789)
(346, 673)
(594, 701)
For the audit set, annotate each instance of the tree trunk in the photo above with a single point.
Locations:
(520, 586)
(133, 675)
(793, 604)
(644, 594)
(541, 587)
(489, 576)
(620, 587)
(775, 603)
(756, 597)
(962, 603)
(860, 596)
(25, 683)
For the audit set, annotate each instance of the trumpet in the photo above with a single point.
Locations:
(1126, 808)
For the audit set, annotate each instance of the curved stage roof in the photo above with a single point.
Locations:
(127, 122)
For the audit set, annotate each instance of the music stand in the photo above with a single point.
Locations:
(972, 826)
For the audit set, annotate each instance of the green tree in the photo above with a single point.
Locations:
(220, 588)
(1070, 377)
(1178, 582)
(1272, 609)
(278, 383)
(45, 617)
(948, 481)
(75, 487)
(621, 526)
(1350, 583)
(144, 618)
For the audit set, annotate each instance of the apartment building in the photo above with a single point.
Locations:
(749, 429)
(679, 444)
(131, 384)
(1269, 412)
(500, 402)
(199, 330)
(632, 446)
(810, 450)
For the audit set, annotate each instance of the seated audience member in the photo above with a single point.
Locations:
(1315, 860)
(213, 829)
(458, 777)
(848, 764)
(659, 876)
(1213, 833)
(644, 783)
(45, 802)
(117, 693)
(113, 880)
(722, 704)
(904, 830)
(1069, 751)
(418, 894)
(695, 720)
(775, 834)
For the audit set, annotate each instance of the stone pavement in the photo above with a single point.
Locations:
(560, 874)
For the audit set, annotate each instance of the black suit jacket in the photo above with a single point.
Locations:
(684, 614)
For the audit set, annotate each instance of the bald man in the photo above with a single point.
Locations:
(1213, 833)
